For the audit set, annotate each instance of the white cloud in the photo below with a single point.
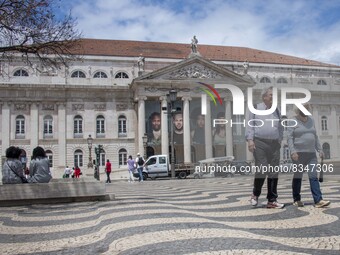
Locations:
(297, 28)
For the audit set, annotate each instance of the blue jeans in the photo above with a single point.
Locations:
(307, 159)
(140, 171)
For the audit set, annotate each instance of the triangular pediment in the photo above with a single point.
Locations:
(195, 69)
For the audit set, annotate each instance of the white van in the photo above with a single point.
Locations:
(158, 166)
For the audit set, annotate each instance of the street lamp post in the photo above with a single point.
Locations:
(145, 141)
(89, 144)
(171, 98)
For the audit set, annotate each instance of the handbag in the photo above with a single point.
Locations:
(321, 172)
(23, 178)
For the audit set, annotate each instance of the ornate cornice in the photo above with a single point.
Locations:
(78, 107)
(100, 107)
(196, 71)
(121, 106)
(20, 107)
(48, 107)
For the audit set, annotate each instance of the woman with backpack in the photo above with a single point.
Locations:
(139, 164)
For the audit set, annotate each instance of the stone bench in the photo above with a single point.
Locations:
(56, 191)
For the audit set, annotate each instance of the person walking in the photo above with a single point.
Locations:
(108, 171)
(303, 143)
(76, 171)
(140, 164)
(131, 168)
(67, 172)
(264, 141)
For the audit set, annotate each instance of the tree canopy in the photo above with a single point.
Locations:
(32, 28)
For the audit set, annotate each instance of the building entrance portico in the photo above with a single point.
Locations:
(195, 137)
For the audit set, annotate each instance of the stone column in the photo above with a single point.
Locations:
(186, 130)
(5, 134)
(34, 125)
(334, 132)
(316, 118)
(141, 123)
(208, 132)
(62, 135)
(6, 127)
(229, 130)
(164, 126)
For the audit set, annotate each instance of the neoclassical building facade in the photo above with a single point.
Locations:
(110, 95)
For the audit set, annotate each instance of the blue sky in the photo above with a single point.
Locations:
(303, 28)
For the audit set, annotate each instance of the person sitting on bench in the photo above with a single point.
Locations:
(39, 167)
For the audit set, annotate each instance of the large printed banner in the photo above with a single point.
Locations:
(198, 135)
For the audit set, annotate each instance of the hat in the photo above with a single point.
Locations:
(138, 154)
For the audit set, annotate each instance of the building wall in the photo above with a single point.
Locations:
(56, 94)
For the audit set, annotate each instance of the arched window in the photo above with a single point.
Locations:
(20, 72)
(20, 127)
(324, 124)
(282, 80)
(322, 82)
(78, 74)
(326, 150)
(265, 80)
(121, 125)
(78, 126)
(100, 75)
(49, 155)
(78, 158)
(122, 156)
(121, 75)
(48, 126)
(100, 125)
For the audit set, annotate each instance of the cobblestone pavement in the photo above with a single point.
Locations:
(205, 216)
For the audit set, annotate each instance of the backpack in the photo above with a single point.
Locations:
(140, 161)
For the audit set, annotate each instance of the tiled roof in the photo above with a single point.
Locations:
(125, 48)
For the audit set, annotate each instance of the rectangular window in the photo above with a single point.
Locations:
(78, 126)
(122, 159)
(100, 126)
(102, 159)
(122, 126)
(78, 159)
(324, 125)
(48, 127)
(20, 127)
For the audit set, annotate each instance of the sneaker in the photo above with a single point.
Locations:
(322, 203)
(298, 204)
(275, 205)
(254, 200)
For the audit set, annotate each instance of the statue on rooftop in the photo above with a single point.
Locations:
(194, 43)
(246, 67)
(141, 63)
